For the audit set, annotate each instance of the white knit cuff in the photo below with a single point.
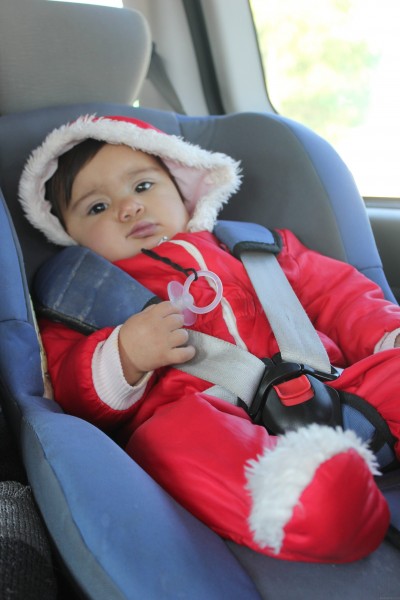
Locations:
(108, 377)
(387, 342)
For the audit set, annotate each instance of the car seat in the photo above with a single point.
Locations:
(117, 533)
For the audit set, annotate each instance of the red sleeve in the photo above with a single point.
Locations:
(69, 356)
(340, 301)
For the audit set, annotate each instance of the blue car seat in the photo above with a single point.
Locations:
(116, 532)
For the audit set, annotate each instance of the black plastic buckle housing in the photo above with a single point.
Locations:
(278, 371)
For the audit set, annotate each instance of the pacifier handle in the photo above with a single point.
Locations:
(180, 296)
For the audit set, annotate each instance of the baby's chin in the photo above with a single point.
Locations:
(153, 241)
(147, 244)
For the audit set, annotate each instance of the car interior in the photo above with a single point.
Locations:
(113, 532)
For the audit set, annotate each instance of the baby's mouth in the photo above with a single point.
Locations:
(143, 229)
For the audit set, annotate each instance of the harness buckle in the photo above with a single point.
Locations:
(292, 395)
(294, 391)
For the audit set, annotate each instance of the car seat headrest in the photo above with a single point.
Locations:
(56, 53)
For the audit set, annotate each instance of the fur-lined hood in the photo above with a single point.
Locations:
(205, 179)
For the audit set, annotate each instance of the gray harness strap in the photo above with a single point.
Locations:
(226, 366)
(257, 247)
(297, 339)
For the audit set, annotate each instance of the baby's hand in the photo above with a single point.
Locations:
(152, 339)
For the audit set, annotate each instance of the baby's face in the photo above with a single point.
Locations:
(122, 201)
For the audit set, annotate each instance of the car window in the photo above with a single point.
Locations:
(333, 66)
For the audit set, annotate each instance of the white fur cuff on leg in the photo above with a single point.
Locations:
(277, 479)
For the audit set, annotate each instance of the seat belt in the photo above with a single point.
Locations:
(297, 339)
(226, 366)
(158, 76)
(296, 336)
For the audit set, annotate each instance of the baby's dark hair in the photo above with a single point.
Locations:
(59, 186)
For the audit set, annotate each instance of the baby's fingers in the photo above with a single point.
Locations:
(178, 337)
(182, 354)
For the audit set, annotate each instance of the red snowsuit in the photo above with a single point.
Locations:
(196, 446)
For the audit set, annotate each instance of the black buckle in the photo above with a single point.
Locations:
(277, 371)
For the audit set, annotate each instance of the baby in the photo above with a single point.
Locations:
(148, 203)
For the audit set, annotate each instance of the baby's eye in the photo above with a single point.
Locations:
(97, 208)
(143, 186)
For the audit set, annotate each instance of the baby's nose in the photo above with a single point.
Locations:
(129, 207)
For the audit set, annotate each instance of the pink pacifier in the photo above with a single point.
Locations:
(182, 299)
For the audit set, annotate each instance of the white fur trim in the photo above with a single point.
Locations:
(278, 478)
(205, 179)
